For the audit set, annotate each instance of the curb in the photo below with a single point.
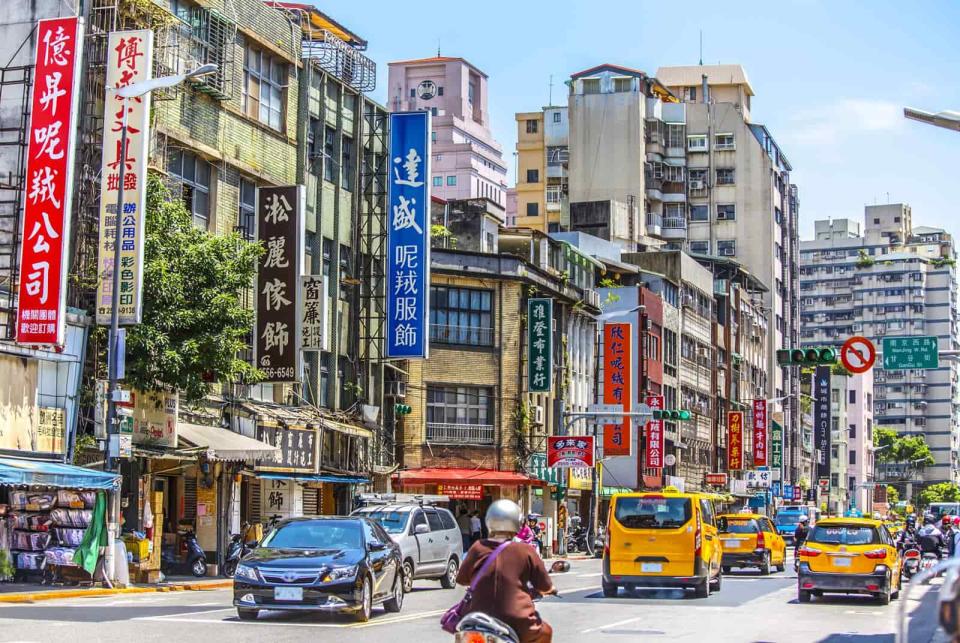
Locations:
(32, 597)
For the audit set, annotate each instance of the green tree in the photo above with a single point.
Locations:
(893, 496)
(194, 320)
(941, 492)
(909, 452)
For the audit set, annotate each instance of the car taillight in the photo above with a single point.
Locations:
(875, 553)
(760, 541)
(471, 637)
(913, 553)
(698, 537)
(809, 551)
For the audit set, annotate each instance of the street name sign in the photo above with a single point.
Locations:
(906, 353)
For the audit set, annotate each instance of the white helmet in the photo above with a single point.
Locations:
(804, 519)
(504, 517)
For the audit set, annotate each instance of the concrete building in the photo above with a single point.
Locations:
(542, 169)
(741, 204)
(467, 160)
(890, 279)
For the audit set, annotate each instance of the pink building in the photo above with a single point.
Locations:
(467, 161)
(860, 439)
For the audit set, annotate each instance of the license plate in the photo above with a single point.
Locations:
(841, 562)
(731, 543)
(651, 567)
(288, 593)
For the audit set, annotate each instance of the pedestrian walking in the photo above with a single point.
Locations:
(476, 527)
(463, 521)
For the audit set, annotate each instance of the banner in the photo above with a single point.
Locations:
(48, 197)
(821, 421)
(776, 445)
(735, 440)
(570, 451)
(717, 479)
(155, 418)
(581, 479)
(298, 449)
(760, 433)
(280, 230)
(408, 236)
(617, 369)
(460, 491)
(539, 345)
(654, 443)
(313, 321)
(129, 61)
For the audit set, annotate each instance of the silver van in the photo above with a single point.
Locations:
(429, 539)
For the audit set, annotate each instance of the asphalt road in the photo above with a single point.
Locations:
(750, 608)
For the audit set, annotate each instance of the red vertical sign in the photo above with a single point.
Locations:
(760, 433)
(735, 440)
(45, 234)
(654, 444)
(616, 385)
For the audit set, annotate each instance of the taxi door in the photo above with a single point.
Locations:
(712, 549)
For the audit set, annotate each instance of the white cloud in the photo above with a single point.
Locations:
(834, 122)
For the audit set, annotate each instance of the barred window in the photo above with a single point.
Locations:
(461, 316)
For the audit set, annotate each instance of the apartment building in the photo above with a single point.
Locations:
(890, 278)
(851, 442)
(543, 154)
(741, 204)
(467, 160)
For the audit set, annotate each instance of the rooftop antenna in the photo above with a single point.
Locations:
(888, 197)
(438, 47)
(550, 102)
(701, 47)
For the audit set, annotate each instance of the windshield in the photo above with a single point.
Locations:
(316, 534)
(787, 519)
(944, 508)
(394, 522)
(844, 535)
(653, 513)
(741, 526)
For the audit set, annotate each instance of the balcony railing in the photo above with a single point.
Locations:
(438, 433)
(461, 335)
(679, 223)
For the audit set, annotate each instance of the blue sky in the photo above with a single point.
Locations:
(831, 78)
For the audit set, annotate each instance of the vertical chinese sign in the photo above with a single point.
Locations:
(760, 433)
(776, 445)
(129, 61)
(616, 385)
(408, 236)
(735, 440)
(821, 421)
(314, 318)
(280, 230)
(539, 345)
(654, 442)
(45, 234)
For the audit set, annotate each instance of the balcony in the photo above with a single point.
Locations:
(461, 335)
(460, 433)
(654, 223)
(674, 228)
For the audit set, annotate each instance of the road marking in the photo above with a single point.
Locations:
(273, 622)
(598, 574)
(611, 625)
(184, 617)
(397, 619)
(570, 590)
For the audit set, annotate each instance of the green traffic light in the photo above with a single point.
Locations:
(684, 415)
(828, 356)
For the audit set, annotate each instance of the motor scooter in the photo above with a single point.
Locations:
(191, 559)
(236, 551)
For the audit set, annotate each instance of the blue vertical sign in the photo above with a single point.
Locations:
(788, 492)
(408, 235)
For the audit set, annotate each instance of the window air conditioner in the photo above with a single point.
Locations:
(728, 252)
(696, 184)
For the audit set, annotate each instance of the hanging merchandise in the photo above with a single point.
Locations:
(95, 537)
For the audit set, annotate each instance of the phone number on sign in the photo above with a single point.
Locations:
(272, 373)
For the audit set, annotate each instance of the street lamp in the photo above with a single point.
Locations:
(945, 119)
(125, 93)
(617, 313)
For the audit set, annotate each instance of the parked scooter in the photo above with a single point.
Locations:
(193, 560)
(236, 551)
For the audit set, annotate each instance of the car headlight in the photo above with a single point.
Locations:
(247, 572)
(340, 573)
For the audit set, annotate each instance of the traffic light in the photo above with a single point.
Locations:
(402, 409)
(810, 356)
(672, 414)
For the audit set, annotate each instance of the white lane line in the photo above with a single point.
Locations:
(611, 625)
(180, 614)
(597, 575)
(272, 622)
(570, 590)
(397, 619)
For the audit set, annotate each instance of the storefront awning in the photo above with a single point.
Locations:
(314, 477)
(222, 444)
(36, 473)
(430, 475)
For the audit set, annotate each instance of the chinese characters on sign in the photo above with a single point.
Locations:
(539, 345)
(49, 183)
(760, 433)
(51, 431)
(574, 451)
(155, 418)
(460, 491)
(314, 317)
(821, 420)
(280, 231)
(902, 353)
(408, 229)
(776, 444)
(297, 448)
(654, 445)
(735, 440)
(617, 360)
(129, 61)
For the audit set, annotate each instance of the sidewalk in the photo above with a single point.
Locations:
(32, 592)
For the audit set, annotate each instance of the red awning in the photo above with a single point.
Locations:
(431, 475)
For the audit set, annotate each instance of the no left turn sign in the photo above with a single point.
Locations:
(858, 354)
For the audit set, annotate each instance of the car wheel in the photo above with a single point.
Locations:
(783, 561)
(610, 590)
(717, 582)
(702, 589)
(395, 603)
(199, 567)
(247, 615)
(449, 580)
(727, 569)
(407, 576)
(765, 565)
(366, 602)
(883, 598)
(803, 596)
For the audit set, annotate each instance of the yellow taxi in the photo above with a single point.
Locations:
(667, 539)
(849, 556)
(751, 540)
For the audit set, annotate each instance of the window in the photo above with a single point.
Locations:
(723, 142)
(446, 517)
(726, 176)
(675, 134)
(621, 85)
(194, 175)
(329, 160)
(345, 271)
(697, 143)
(727, 248)
(700, 247)
(556, 117)
(327, 255)
(437, 181)
(834, 480)
(699, 213)
(532, 126)
(533, 209)
(413, 92)
(439, 90)
(852, 397)
(692, 93)
(533, 176)
(264, 78)
(346, 163)
(247, 214)
(726, 211)
(434, 520)
(451, 180)
(591, 85)
(433, 137)
(459, 405)
(461, 316)
(853, 457)
(418, 519)
(433, 111)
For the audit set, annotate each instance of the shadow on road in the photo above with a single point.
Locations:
(922, 625)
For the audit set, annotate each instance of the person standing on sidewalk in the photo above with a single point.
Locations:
(463, 521)
(476, 527)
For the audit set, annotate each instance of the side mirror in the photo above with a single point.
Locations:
(421, 529)
(376, 545)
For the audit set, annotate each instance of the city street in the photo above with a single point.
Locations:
(749, 608)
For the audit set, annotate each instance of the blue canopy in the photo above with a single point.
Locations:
(38, 473)
(313, 477)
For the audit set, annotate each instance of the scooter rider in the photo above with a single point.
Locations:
(909, 533)
(801, 532)
(929, 537)
(503, 592)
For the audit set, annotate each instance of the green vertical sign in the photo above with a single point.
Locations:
(776, 445)
(539, 345)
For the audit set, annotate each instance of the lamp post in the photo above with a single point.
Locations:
(946, 119)
(125, 93)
